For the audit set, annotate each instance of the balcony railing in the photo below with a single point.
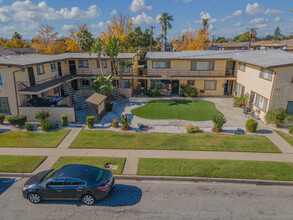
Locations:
(188, 73)
(99, 72)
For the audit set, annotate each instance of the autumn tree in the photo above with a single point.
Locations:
(16, 43)
(118, 27)
(191, 40)
(85, 38)
(71, 42)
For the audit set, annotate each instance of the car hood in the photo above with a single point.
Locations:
(36, 178)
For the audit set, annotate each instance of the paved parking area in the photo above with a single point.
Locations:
(160, 200)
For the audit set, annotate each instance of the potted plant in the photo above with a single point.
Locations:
(124, 120)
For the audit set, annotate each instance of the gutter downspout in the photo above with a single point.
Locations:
(16, 93)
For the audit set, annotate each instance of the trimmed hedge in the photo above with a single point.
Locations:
(291, 130)
(47, 125)
(64, 120)
(29, 127)
(192, 129)
(251, 125)
(18, 120)
(90, 121)
(2, 117)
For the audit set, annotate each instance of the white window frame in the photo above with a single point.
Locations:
(242, 66)
(44, 94)
(104, 63)
(266, 74)
(259, 98)
(53, 67)
(202, 65)
(83, 64)
(1, 79)
(40, 69)
(208, 81)
(160, 66)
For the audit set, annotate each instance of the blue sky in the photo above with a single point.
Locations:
(227, 17)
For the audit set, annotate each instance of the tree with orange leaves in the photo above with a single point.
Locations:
(71, 42)
(191, 40)
(118, 27)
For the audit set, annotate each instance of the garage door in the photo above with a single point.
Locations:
(290, 108)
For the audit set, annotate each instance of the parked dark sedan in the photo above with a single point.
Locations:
(70, 182)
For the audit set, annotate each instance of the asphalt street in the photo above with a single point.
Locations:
(157, 200)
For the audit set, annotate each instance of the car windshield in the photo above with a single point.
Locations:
(95, 173)
(51, 174)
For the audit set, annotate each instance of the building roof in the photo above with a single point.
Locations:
(263, 58)
(33, 59)
(96, 99)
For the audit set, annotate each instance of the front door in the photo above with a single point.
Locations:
(251, 99)
(175, 87)
(31, 76)
(59, 69)
(72, 67)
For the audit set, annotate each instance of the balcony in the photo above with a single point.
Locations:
(188, 73)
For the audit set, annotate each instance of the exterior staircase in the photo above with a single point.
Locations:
(78, 100)
(116, 94)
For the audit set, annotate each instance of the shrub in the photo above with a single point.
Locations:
(18, 120)
(241, 101)
(153, 92)
(2, 117)
(192, 129)
(124, 120)
(29, 127)
(64, 120)
(219, 121)
(291, 130)
(115, 123)
(187, 91)
(42, 116)
(251, 125)
(278, 117)
(47, 125)
(90, 121)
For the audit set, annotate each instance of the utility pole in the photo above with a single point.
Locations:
(152, 28)
(250, 36)
(213, 41)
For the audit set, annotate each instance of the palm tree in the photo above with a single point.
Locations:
(123, 65)
(101, 83)
(98, 48)
(85, 39)
(165, 21)
(205, 23)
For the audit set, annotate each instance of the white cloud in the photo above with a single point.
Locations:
(205, 15)
(114, 12)
(257, 9)
(261, 25)
(185, 1)
(100, 25)
(259, 21)
(237, 24)
(143, 18)
(139, 5)
(237, 13)
(277, 19)
(67, 27)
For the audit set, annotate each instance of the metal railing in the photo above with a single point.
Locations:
(188, 73)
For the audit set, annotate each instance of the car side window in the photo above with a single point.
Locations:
(56, 182)
(74, 182)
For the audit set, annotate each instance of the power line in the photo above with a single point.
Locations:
(152, 28)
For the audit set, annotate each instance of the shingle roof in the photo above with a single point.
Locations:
(25, 60)
(269, 59)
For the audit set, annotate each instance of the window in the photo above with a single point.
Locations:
(85, 83)
(104, 63)
(238, 87)
(127, 70)
(56, 90)
(161, 64)
(261, 102)
(1, 80)
(74, 182)
(4, 106)
(44, 94)
(56, 182)
(190, 82)
(40, 69)
(210, 84)
(53, 67)
(242, 90)
(202, 65)
(242, 66)
(125, 84)
(266, 74)
(83, 64)
(290, 108)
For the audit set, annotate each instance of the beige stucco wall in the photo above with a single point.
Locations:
(283, 88)
(55, 112)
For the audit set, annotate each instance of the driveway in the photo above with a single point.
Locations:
(235, 117)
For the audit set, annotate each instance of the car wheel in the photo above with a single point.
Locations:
(34, 198)
(88, 199)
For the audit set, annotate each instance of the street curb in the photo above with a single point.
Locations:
(178, 179)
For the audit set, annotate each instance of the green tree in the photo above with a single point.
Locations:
(85, 38)
(101, 84)
(277, 33)
(221, 40)
(98, 48)
(112, 50)
(123, 65)
(16, 35)
(165, 21)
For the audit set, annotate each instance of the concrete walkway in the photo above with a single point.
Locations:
(65, 143)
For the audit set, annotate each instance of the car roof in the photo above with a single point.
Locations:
(78, 171)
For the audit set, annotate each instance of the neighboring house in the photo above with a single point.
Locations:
(267, 76)
(27, 81)
(6, 51)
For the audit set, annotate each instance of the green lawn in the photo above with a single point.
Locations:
(19, 164)
(262, 170)
(32, 139)
(287, 137)
(155, 141)
(177, 109)
(93, 161)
